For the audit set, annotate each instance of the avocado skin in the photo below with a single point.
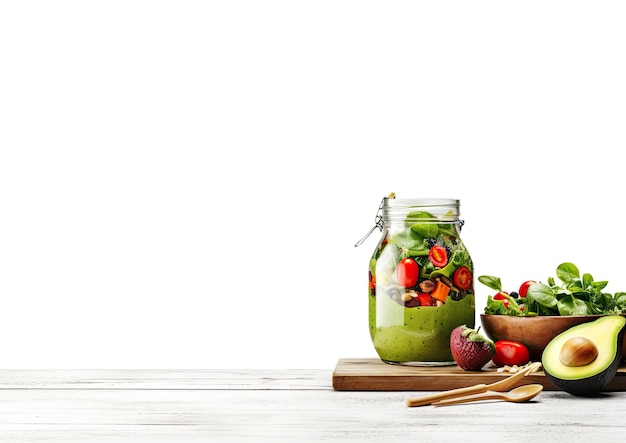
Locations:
(589, 386)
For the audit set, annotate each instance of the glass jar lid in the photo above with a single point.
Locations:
(422, 209)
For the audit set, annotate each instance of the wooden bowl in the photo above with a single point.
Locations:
(534, 332)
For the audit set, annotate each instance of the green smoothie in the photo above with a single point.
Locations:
(420, 289)
(420, 334)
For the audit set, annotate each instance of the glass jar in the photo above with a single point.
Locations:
(421, 281)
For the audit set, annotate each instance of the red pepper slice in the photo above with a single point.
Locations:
(425, 299)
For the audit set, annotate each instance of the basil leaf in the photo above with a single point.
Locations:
(491, 282)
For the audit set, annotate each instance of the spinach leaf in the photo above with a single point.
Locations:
(598, 285)
(567, 272)
(587, 280)
(408, 239)
(425, 230)
(573, 306)
(448, 229)
(620, 300)
(575, 295)
(542, 294)
(602, 303)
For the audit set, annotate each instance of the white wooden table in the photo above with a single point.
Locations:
(275, 406)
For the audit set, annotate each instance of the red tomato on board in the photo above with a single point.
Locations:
(438, 256)
(510, 352)
(407, 272)
(523, 290)
(462, 277)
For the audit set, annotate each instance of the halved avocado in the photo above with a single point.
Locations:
(606, 333)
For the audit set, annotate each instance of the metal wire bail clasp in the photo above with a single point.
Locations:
(378, 221)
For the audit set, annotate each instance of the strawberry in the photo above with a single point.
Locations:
(470, 349)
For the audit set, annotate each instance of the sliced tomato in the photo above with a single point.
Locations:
(462, 278)
(438, 256)
(510, 352)
(407, 272)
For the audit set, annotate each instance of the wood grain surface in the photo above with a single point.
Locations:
(371, 374)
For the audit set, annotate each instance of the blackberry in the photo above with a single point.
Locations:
(431, 242)
(456, 296)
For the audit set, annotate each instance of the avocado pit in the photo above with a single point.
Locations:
(578, 351)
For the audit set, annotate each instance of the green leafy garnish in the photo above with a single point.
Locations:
(574, 295)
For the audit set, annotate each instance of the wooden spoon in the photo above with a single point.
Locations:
(500, 386)
(517, 395)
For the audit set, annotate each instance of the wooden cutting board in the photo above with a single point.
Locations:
(371, 374)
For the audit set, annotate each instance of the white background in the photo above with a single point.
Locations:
(182, 182)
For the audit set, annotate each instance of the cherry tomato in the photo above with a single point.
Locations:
(523, 290)
(407, 272)
(505, 300)
(510, 352)
(462, 278)
(438, 256)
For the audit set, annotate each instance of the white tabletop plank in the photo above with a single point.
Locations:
(166, 379)
(276, 406)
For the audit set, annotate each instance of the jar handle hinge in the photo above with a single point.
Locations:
(378, 221)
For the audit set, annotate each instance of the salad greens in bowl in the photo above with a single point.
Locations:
(575, 295)
(538, 312)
